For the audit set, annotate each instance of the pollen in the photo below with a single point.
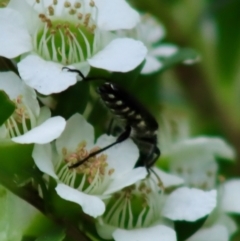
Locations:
(67, 4)
(92, 3)
(77, 5)
(95, 165)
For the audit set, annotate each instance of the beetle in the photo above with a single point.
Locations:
(138, 123)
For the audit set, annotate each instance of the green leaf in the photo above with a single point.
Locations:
(186, 229)
(7, 107)
(73, 100)
(56, 234)
(16, 161)
(227, 19)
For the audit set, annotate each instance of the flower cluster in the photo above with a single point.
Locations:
(125, 201)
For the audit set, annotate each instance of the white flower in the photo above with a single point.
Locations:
(151, 32)
(99, 176)
(194, 160)
(48, 35)
(143, 208)
(28, 123)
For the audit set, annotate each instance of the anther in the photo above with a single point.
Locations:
(55, 2)
(92, 3)
(67, 4)
(79, 16)
(72, 11)
(51, 10)
(77, 5)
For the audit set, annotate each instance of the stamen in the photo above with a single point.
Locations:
(51, 10)
(92, 3)
(87, 44)
(77, 4)
(67, 4)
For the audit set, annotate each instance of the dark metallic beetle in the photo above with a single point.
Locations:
(139, 124)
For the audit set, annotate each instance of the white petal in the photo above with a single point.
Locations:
(189, 204)
(214, 233)
(27, 12)
(164, 50)
(116, 15)
(42, 156)
(202, 145)
(45, 133)
(90, 204)
(227, 222)
(151, 65)
(14, 37)
(231, 196)
(126, 179)
(45, 114)
(115, 158)
(155, 233)
(168, 180)
(46, 77)
(77, 130)
(151, 30)
(11, 84)
(121, 55)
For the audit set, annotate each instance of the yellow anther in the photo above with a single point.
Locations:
(77, 4)
(72, 11)
(80, 16)
(92, 3)
(51, 10)
(67, 4)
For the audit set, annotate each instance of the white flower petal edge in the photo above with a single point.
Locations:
(42, 156)
(168, 180)
(126, 150)
(46, 77)
(164, 50)
(120, 55)
(231, 196)
(73, 135)
(14, 37)
(151, 65)
(45, 133)
(214, 233)
(156, 233)
(91, 205)
(126, 179)
(189, 204)
(116, 14)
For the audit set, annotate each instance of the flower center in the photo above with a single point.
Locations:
(21, 119)
(134, 207)
(67, 33)
(90, 176)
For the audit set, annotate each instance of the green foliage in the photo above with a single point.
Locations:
(56, 234)
(7, 107)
